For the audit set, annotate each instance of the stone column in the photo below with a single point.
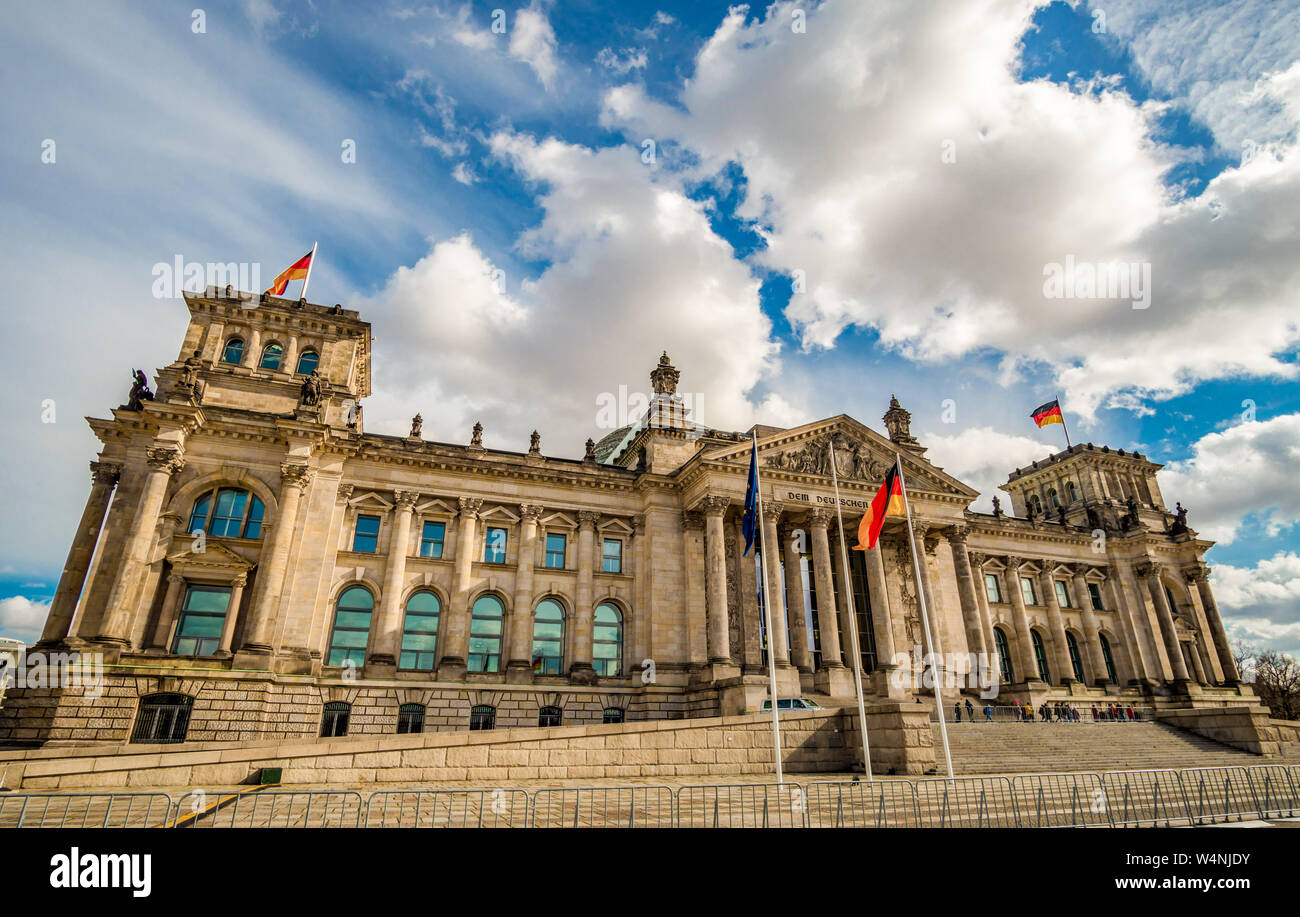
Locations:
(232, 614)
(970, 610)
(254, 354)
(1020, 618)
(581, 670)
(1056, 622)
(1199, 574)
(104, 477)
(1133, 626)
(162, 635)
(1150, 574)
(833, 673)
(773, 590)
(455, 648)
(519, 665)
(697, 619)
(880, 610)
(1091, 632)
(295, 478)
(715, 550)
(164, 461)
(387, 635)
(921, 530)
(1197, 669)
(986, 614)
(796, 610)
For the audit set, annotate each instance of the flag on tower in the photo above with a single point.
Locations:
(887, 502)
(1048, 413)
(296, 271)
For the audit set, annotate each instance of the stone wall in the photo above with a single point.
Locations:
(1244, 727)
(812, 742)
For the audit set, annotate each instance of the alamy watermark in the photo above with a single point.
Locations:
(1101, 280)
(54, 670)
(921, 671)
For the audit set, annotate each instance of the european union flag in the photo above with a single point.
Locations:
(749, 521)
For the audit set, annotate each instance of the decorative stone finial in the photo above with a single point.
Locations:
(664, 377)
(899, 423)
(477, 438)
(535, 443)
(417, 422)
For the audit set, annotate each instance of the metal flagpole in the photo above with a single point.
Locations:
(925, 620)
(311, 264)
(767, 615)
(853, 619)
(1064, 428)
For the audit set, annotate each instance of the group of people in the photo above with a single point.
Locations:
(1058, 712)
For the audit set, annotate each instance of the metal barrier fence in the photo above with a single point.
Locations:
(859, 804)
(84, 810)
(752, 805)
(1061, 801)
(447, 809)
(1192, 796)
(604, 807)
(271, 809)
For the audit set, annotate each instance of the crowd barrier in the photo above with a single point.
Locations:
(1138, 798)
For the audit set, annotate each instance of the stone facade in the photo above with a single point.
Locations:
(248, 481)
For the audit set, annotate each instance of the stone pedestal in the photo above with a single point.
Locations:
(837, 681)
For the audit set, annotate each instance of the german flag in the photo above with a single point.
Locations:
(887, 502)
(1048, 413)
(296, 271)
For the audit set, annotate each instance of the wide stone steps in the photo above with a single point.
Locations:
(1008, 748)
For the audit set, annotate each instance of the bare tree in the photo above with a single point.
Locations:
(1277, 682)
(1245, 656)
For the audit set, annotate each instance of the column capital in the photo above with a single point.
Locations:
(1147, 569)
(105, 472)
(1196, 572)
(405, 499)
(638, 524)
(693, 521)
(240, 580)
(772, 511)
(469, 506)
(587, 519)
(1013, 562)
(167, 459)
(714, 505)
(296, 474)
(176, 578)
(530, 512)
(956, 535)
(819, 517)
(345, 493)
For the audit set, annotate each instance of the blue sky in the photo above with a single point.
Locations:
(791, 140)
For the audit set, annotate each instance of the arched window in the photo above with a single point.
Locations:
(1108, 659)
(420, 633)
(227, 512)
(308, 360)
(410, 718)
(162, 719)
(234, 352)
(1035, 504)
(607, 641)
(1073, 492)
(1051, 495)
(548, 638)
(272, 354)
(482, 716)
(485, 635)
(613, 715)
(334, 721)
(1076, 662)
(1040, 655)
(1004, 656)
(549, 716)
(351, 626)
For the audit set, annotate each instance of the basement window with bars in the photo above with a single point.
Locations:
(482, 716)
(334, 722)
(410, 718)
(162, 719)
(550, 716)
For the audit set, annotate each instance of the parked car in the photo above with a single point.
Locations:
(789, 703)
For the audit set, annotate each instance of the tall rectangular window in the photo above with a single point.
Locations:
(494, 546)
(1094, 592)
(203, 615)
(555, 544)
(431, 539)
(1062, 594)
(366, 537)
(1027, 590)
(992, 587)
(612, 556)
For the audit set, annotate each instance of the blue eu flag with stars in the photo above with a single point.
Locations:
(749, 521)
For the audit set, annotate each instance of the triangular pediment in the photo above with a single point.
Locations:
(861, 456)
(214, 556)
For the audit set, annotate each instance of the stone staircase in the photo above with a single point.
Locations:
(1012, 748)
